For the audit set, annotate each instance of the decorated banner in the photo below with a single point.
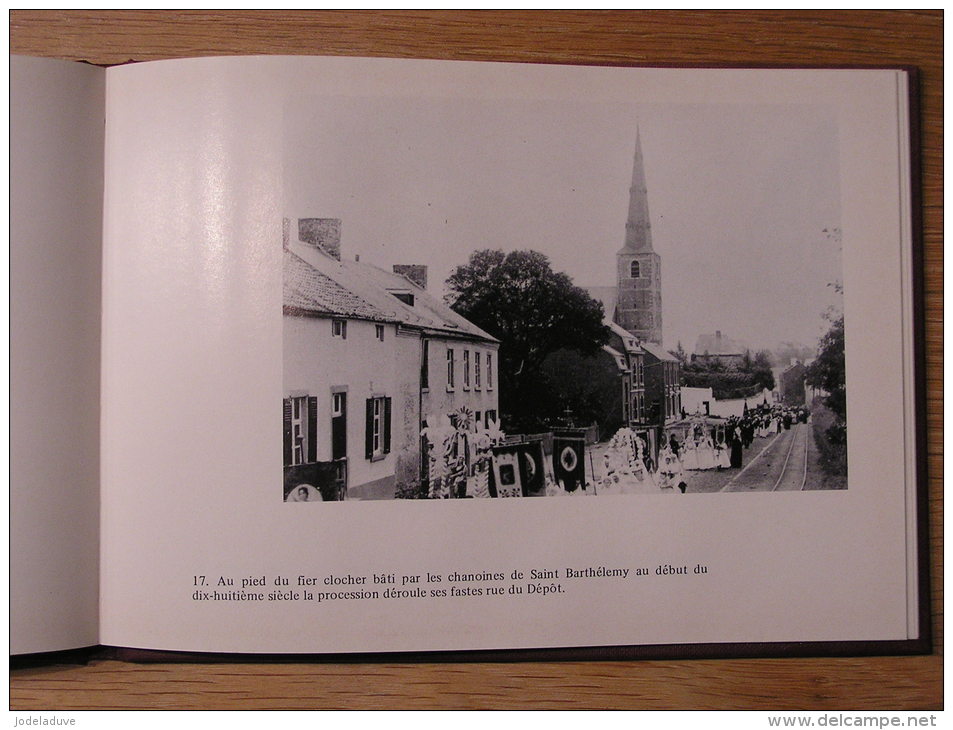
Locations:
(507, 481)
(569, 466)
(532, 472)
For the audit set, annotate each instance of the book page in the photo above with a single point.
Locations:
(56, 189)
(256, 210)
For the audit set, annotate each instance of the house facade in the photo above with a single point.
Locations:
(369, 359)
(662, 386)
(794, 391)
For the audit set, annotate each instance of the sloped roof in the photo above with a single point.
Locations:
(629, 341)
(617, 356)
(308, 291)
(713, 345)
(368, 291)
(431, 311)
(658, 351)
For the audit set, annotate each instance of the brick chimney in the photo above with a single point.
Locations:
(417, 273)
(322, 233)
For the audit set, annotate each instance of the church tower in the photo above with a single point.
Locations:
(638, 267)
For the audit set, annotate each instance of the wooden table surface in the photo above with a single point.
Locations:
(821, 38)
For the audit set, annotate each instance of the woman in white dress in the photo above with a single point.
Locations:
(705, 452)
(669, 475)
(689, 455)
(722, 455)
(638, 479)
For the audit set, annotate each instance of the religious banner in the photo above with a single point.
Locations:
(532, 472)
(569, 466)
(507, 481)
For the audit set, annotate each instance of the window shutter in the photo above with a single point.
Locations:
(386, 425)
(369, 428)
(286, 428)
(312, 429)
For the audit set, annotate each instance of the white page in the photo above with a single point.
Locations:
(196, 191)
(56, 189)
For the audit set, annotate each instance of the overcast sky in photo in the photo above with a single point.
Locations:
(742, 199)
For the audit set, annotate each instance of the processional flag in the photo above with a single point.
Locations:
(531, 467)
(569, 466)
(506, 481)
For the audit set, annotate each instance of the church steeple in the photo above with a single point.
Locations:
(638, 267)
(638, 230)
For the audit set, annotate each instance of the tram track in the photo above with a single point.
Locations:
(770, 471)
(797, 438)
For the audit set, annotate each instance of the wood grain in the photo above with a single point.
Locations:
(737, 38)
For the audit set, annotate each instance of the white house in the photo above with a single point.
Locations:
(369, 357)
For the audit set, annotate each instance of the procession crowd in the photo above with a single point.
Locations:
(628, 467)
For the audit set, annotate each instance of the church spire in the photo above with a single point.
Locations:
(638, 232)
(638, 267)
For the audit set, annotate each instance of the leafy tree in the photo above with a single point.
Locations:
(761, 370)
(533, 311)
(751, 376)
(713, 364)
(827, 372)
(762, 360)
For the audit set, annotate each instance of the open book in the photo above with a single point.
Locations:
(565, 358)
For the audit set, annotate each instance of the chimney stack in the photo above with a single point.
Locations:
(417, 273)
(322, 233)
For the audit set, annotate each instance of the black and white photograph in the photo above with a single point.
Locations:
(514, 298)
(613, 297)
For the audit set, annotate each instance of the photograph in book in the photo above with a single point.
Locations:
(514, 298)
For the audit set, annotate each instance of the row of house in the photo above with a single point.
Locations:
(370, 358)
(637, 382)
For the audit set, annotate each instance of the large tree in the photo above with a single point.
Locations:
(533, 311)
(827, 372)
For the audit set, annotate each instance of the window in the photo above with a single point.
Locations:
(451, 366)
(466, 370)
(405, 296)
(379, 331)
(476, 371)
(337, 404)
(299, 415)
(377, 428)
(635, 270)
(489, 371)
(425, 365)
(339, 328)
(299, 429)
